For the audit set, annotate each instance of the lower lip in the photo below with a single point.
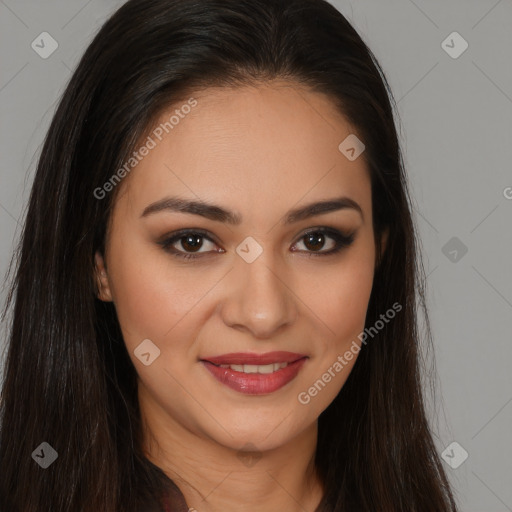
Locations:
(255, 383)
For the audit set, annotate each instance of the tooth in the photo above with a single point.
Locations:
(266, 368)
(255, 368)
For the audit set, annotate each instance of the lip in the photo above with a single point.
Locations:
(251, 358)
(256, 383)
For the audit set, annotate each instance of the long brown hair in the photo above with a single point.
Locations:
(69, 380)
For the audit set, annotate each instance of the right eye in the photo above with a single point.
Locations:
(190, 240)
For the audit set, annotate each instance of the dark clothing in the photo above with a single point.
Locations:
(175, 497)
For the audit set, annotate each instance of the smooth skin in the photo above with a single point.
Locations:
(258, 151)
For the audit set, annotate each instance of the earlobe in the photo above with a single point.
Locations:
(102, 283)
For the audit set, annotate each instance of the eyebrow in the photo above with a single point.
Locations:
(219, 214)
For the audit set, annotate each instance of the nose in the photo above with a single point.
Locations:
(258, 299)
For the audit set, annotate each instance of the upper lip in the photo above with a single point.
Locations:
(257, 359)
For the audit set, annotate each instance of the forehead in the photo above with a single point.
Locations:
(250, 148)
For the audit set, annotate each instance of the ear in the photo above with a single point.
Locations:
(101, 278)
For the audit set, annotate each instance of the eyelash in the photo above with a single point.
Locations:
(342, 241)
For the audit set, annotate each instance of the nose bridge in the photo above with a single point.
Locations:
(258, 299)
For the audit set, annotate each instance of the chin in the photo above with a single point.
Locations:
(260, 436)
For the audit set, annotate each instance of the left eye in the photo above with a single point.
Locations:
(314, 240)
(317, 236)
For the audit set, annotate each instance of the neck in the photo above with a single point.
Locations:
(215, 478)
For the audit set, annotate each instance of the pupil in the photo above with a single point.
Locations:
(316, 239)
(193, 241)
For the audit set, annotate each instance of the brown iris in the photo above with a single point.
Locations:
(192, 242)
(314, 241)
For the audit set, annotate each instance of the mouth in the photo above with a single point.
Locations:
(255, 374)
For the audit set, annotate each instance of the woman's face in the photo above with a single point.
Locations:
(258, 283)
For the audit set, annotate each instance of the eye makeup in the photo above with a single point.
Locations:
(195, 236)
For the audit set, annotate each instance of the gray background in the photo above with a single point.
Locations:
(456, 120)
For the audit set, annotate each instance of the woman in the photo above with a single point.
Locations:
(214, 303)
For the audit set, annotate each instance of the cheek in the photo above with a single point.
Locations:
(343, 296)
(343, 309)
(150, 296)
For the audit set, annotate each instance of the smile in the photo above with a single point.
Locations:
(255, 374)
